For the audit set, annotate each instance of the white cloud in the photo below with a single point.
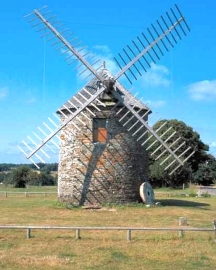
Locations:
(157, 76)
(103, 52)
(103, 48)
(31, 100)
(155, 103)
(3, 92)
(11, 149)
(212, 144)
(203, 90)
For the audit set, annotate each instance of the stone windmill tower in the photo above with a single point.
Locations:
(102, 162)
(103, 131)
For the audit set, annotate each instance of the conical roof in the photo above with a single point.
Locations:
(91, 87)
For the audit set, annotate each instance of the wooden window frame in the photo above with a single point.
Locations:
(99, 130)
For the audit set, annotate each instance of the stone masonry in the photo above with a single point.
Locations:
(92, 173)
(101, 172)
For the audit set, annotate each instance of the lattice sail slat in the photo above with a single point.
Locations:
(136, 58)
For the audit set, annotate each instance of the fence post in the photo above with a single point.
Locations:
(214, 226)
(128, 235)
(6, 194)
(182, 221)
(181, 233)
(28, 235)
(78, 234)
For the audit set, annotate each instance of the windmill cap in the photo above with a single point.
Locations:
(91, 87)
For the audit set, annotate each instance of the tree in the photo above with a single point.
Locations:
(206, 173)
(4, 167)
(42, 179)
(23, 175)
(191, 138)
(2, 177)
(161, 178)
(20, 176)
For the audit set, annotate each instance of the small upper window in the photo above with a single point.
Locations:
(99, 130)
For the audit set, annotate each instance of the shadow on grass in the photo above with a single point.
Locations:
(183, 203)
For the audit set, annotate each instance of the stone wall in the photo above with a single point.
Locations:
(96, 173)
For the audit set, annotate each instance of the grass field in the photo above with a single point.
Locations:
(106, 250)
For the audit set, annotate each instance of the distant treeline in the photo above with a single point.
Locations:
(5, 167)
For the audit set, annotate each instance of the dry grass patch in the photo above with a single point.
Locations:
(105, 250)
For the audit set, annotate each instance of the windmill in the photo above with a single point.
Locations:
(103, 131)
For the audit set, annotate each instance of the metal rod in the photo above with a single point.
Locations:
(36, 145)
(52, 122)
(138, 121)
(29, 158)
(174, 169)
(150, 33)
(173, 24)
(134, 64)
(174, 152)
(152, 134)
(169, 146)
(168, 27)
(182, 17)
(67, 116)
(48, 136)
(160, 137)
(126, 64)
(140, 52)
(146, 51)
(68, 45)
(42, 141)
(179, 24)
(33, 12)
(158, 36)
(47, 127)
(66, 121)
(33, 19)
(41, 29)
(165, 36)
(31, 150)
(170, 164)
(85, 90)
(164, 141)
(189, 156)
(39, 23)
(131, 119)
(138, 60)
(86, 108)
(127, 105)
(121, 68)
(149, 43)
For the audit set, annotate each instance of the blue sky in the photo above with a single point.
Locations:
(35, 80)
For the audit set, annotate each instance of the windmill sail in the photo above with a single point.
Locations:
(148, 48)
(138, 56)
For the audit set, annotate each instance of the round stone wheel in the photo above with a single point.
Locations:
(147, 193)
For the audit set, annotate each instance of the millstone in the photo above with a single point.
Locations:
(147, 193)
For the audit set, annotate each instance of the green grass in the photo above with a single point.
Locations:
(9, 188)
(186, 190)
(105, 250)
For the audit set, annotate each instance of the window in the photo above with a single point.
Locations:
(99, 130)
